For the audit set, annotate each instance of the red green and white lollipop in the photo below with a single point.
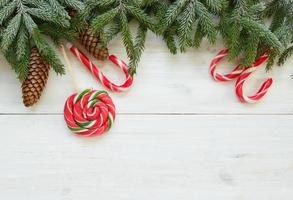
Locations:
(89, 113)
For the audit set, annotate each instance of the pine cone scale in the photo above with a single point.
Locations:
(92, 44)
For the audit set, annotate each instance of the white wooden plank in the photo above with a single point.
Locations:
(149, 157)
(164, 84)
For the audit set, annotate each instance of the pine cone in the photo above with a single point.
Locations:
(38, 74)
(93, 44)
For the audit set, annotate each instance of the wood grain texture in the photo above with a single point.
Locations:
(164, 84)
(149, 157)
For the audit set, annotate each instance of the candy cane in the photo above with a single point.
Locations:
(89, 113)
(243, 77)
(99, 75)
(228, 77)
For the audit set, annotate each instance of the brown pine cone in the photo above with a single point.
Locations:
(93, 44)
(36, 80)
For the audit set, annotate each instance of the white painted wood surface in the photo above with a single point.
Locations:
(178, 135)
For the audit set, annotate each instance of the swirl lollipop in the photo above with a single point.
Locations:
(89, 113)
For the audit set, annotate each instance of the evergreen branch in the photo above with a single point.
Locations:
(169, 38)
(278, 19)
(141, 16)
(7, 11)
(241, 3)
(101, 3)
(284, 34)
(75, 4)
(57, 36)
(271, 8)
(185, 25)
(19, 66)
(56, 7)
(181, 23)
(22, 43)
(29, 23)
(256, 10)
(110, 32)
(171, 14)
(251, 49)
(138, 48)
(92, 4)
(11, 58)
(48, 53)
(23, 63)
(102, 20)
(9, 34)
(216, 6)
(271, 61)
(78, 24)
(206, 21)
(48, 15)
(4, 3)
(157, 7)
(20, 21)
(198, 37)
(285, 55)
(126, 36)
(263, 32)
(233, 41)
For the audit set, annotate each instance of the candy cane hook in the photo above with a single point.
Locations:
(227, 77)
(245, 75)
(99, 75)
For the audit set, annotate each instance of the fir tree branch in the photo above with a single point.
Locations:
(198, 37)
(7, 11)
(233, 41)
(48, 53)
(22, 43)
(29, 23)
(206, 21)
(138, 48)
(285, 55)
(110, 32)
(58, 36)
(23, 63)
(185, 22)
(263, 32)
(75, 4)
(20, 21)
(48, 15)
(101, 21)
(169, 38)
(126, 36)
(4, 2)
(216, 6)
(56, 7)
(171, 14)
(140, 16)
(9, 34)
(92, 4)
(11, 58)
(251, 48)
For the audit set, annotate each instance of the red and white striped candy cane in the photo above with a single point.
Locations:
(99, 75)
(227, 77)
(243, 77)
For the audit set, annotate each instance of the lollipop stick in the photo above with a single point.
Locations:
(70, 70)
